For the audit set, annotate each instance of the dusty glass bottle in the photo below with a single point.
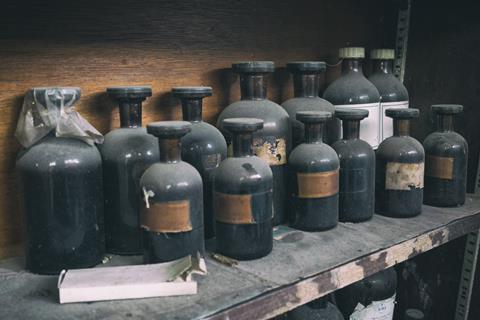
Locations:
(399, 169)
(306, 85)
(446, 154)
(272, 143)
(313, 177)
(393, 93)
(353, 90)
(61, 181)
(243, 196)
(172, 207)
(357, 169)
(204, 147)
(126, 153)
(320, 309)
(376, 293)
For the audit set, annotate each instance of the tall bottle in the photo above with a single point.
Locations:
(272, 143)
(353, 90)
(306, 85)
(399, 169)
(61, 181)
(370, 298)
(172, 210)
(243, 196)
(314, 173)
(446, 160)
(393, 93)
(204, 147)
(320, 309)
(126, 153)
(357, 169)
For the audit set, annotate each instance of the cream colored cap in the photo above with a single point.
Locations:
(382, 54)
(351, 52)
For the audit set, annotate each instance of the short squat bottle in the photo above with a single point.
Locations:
(272, 143)
(353, 90)
(399, 169)
(393, 93)
(204, 147)
(357, 169)
(306, 81)
(126, 153)
(320, 309)
(61, 181)
(172, 207)
(243, 196)
(313, 177)
(370, 298)
(446, 155)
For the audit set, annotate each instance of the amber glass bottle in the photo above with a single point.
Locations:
(446, 160)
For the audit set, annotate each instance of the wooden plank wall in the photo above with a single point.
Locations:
(95, 44)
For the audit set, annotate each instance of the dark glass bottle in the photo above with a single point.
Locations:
(393, 93)
(446, 160)
(353, 90)
(399, 169)
(376, 293)
(126, 153)
(61, 181)
(357, 169)
(172, 210)
(314, 173)
(306, 85)
(320, 309)
(204, 147)
(272, 143)
(243, 196)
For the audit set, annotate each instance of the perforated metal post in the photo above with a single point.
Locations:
(402, 39)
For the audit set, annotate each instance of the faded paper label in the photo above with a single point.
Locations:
(377, 310)
(317, 184)
(439, 167)
(169, 216)
(271, 149)
(233, 208)
(404, 176)
(387, 123)
(370, 126)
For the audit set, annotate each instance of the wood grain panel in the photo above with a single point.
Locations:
(95, 44)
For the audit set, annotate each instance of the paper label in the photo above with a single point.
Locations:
(169, 216)
(317, 184)
(439, 167)
(233, 208)
(404, 176)
(387, 123)
(377, 310)
(271, 149)
(370, 126)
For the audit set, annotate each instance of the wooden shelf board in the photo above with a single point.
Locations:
(302, 267)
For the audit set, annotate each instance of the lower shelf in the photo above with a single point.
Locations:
(302, 267)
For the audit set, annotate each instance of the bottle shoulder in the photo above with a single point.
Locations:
(168, 175)
(389, 87)
(263, 109)
(57, 153)
(243, 173)
(401, 149)
(445, 143)
(351, 88)
(354, 149)
(319, 157)
(127, 144)
(293, 105)
(206, 137)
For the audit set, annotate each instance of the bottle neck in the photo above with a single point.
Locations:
(170, 150)
(306, 85)
(445, 122)
(352, 65)
(242, 144)
(401, 127)
(192, 109)
(351, 129)
(130, 113)
(383, 66)
(314, 132)
(253, 86)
